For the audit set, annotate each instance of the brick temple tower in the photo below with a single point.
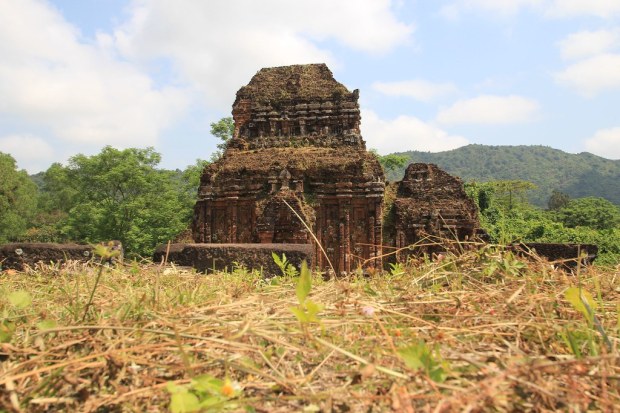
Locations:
(296, 141)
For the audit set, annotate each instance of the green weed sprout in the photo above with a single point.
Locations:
(285, 266)
(419, 356)
(582, 301)
(205, 393)
(307, 311)
(106, 253)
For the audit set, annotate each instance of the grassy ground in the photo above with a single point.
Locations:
(480, 332)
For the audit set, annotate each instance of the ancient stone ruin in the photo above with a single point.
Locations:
(19, 256)
(228, 257)
(430, 211)
(296, 179)
(297, 160)
(23, 255)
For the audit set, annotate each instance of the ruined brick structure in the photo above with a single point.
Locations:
(431, 207)
(296, 141)
(296, 176)
(297, 155)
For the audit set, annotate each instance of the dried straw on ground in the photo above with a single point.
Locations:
(500, 332)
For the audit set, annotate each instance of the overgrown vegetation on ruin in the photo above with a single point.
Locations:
(482, 331)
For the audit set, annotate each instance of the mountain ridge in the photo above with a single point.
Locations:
(578, 175)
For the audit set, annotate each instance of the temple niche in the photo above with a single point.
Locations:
(296, 154)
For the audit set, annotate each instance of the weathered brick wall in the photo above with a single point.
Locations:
(209, 257)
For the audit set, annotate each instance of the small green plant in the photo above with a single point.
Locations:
(419, 356)
(307, 311)
(285, 266)
(18, 301)
(106, 254)
(506, 264)
(397, 268)
(582, 301)
(205, 393)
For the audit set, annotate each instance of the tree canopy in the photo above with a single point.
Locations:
(18, 197)
(117, 194)
(597, 213)
(224, 130)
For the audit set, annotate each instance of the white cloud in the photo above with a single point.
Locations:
(218, 46)
(30, 152)
(488, 109)
(605, 143)
(450, 12)
(598, 8)
(406, 133)
(417, 89)
(592, 76)
(588, 43)
(453, 10)
(550, 8)
(78, 92)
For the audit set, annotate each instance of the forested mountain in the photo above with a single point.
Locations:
(578, 175)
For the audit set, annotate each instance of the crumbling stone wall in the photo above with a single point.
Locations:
(19, 255)
(565, 256)
(431, 207)
(221, 257)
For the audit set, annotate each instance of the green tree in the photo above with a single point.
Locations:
(18, 200)
(190, 181)
(224, 130)
(392, 162)
(596, 213)
(510, 194)
(56, 198)
(119, 194)
(557, 200)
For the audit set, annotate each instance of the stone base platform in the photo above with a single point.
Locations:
(564, 255)
(19, 255)
(218, 257)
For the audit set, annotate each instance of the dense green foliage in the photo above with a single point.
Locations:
(17, 199)
(116, 194)
(596, 213)
(390, 163)
(224, 130)
(121, 194)
(580, 175)
(583, 220)
(557, 200)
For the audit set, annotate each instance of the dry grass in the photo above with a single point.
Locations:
(498, 329)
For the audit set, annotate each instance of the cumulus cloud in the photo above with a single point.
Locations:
(30, 152)
(218, 46)
(598, 8)
(418, 89)
(452, 11)
(489, 109)
(550, 8)
(76, 91)
(605, 143)
(588, 43)
(592, 76)
(406, 133)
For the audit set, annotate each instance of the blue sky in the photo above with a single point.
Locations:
(433, 75)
